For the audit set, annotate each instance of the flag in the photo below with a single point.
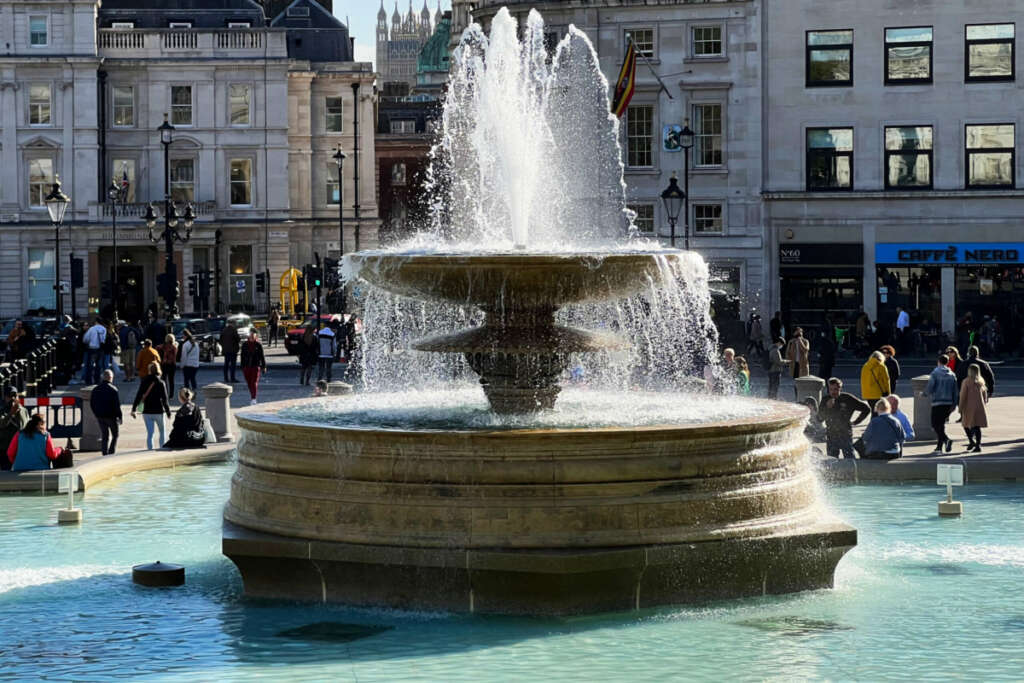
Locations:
(626, 84)
(124, 177)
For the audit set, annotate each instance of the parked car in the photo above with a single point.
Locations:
(294, 336)
(197, 326)
(209, 342)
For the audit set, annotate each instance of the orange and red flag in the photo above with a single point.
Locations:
(627, 82)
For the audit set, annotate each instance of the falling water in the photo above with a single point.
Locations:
(528, 158)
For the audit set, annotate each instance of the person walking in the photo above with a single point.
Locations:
(974, 360)
(884, 436)
(942, 390)
(33, 448)
(973, 397)
(874, 378)
(152, 396)
(892, 366)
(755, 336)
(169, 362)
(955, 359)
(826, 346)
(273, 321)
(229, 343)
(129, 335)
(902, 328)
(147, 356)
(189, 354)
(776, 364)
(775, 327)
(111, 348)
(835, 411)
(13, 419)
(798, 352)
(105, 402)
(328, 349)
(309, 349)
(94, 338)
(254, 364)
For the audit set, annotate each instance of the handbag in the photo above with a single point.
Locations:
(211, 435)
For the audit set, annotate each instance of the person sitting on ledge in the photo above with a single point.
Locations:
(32, 448)
(188, 430)
(894, 410)
(884, 436)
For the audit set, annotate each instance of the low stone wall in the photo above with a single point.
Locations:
(921, 469)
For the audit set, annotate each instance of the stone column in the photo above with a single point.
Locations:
(809, 386)
(218, 409)
(90, 440)
(922, 410)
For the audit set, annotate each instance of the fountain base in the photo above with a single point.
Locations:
(536, 582)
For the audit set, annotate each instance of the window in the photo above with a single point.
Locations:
(333, 109)
(399, 126)
(181, 24)
(38, 33)
(830, 159)
(41, 279)
(239, 104)
(640, 136)
(241, 182)
(707, 219)
(908, 55)
(398, 174)
(239, 24)
(990, 156)
(707, 41)
(989, 52)
(333, 195)
(181, 105)
(123, 97)
(124, 169)
(908, 158)
(298, 12)
(707, 128)
(183, 180)
(39, 104)
(829, 58)
(643, 39)
(644, 220)
(123, 24)
(40, 181)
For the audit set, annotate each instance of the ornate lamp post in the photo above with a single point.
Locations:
(118, 194)
(686, 139)
(57, 204)
(168, 284)
(673, 199)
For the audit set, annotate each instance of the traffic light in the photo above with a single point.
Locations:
(77, 273)
(193, 284)
(261, 283)
(204, 283)
(331, 270)
(313, 275)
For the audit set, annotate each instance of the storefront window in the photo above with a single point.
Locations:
(990, 307)
(241, 279)
(918, 291)
(41, 279)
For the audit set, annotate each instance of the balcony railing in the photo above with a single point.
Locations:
(138, 209)
(220, 43)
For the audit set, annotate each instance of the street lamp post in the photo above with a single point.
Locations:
(118, 194)
(56, 204)
(339, 158)
(686, 139)
(169, 285)
(673, 199)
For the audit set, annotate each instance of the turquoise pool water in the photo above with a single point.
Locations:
(919, 599)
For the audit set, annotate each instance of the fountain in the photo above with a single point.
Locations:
(538, 501)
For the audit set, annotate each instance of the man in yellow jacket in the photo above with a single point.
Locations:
(874, 378)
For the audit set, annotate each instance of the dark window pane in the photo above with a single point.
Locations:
(990, 60)
(908, 138)
(991, 168)
(830, 65)
(840, 139)
(907, 63)
(910, 170)
(826, 170)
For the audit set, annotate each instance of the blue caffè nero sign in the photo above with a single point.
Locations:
(958, 253)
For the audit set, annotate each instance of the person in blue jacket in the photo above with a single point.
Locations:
(32, 448)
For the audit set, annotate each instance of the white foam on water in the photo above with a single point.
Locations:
(26, 577)
(993, 555)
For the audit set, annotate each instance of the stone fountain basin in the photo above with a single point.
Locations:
(537, 521)
(516, 280)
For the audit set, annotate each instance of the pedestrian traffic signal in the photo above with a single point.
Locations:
(314, 276)
(261, 283)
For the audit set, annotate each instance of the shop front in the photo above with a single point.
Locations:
(819, 282)
(973, 290)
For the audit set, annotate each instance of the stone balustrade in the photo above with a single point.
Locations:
(221, 43)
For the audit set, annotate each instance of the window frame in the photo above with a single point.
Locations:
(179, 24)
(888, 153)
(114, 106)
(721, 218)
(633, 206)
(340, 114)
(699, 135)
(239, 24)
(990, 41)
(628, 31)
(721, 41)
(808, 49)
(401, 126)
(651, 148)
(125, 25)
(250, 183)
(50, 283)
(46, 20)
(49, 105)
(248, 105)
(835, 153)
(45, 186)
(1012, 151)
(332, 183)
(174, 108)
(916, 43)
(173, 184)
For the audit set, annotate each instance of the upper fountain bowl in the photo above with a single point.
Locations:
(514, 280)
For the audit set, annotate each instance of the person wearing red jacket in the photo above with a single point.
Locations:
(32, 448)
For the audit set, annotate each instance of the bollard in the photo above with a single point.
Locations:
(337, 388)
(90, 440)
(809, 386)
(30, 375)
(922, 410)
(218, 409)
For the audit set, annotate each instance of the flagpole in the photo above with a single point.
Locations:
(651, 67)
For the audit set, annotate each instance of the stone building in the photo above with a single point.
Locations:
(399, 45)
(708, 56)
(85, 86)
(891, 170)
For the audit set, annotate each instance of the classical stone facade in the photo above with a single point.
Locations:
(85, 85)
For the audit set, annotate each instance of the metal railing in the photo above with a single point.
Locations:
(35, 374)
